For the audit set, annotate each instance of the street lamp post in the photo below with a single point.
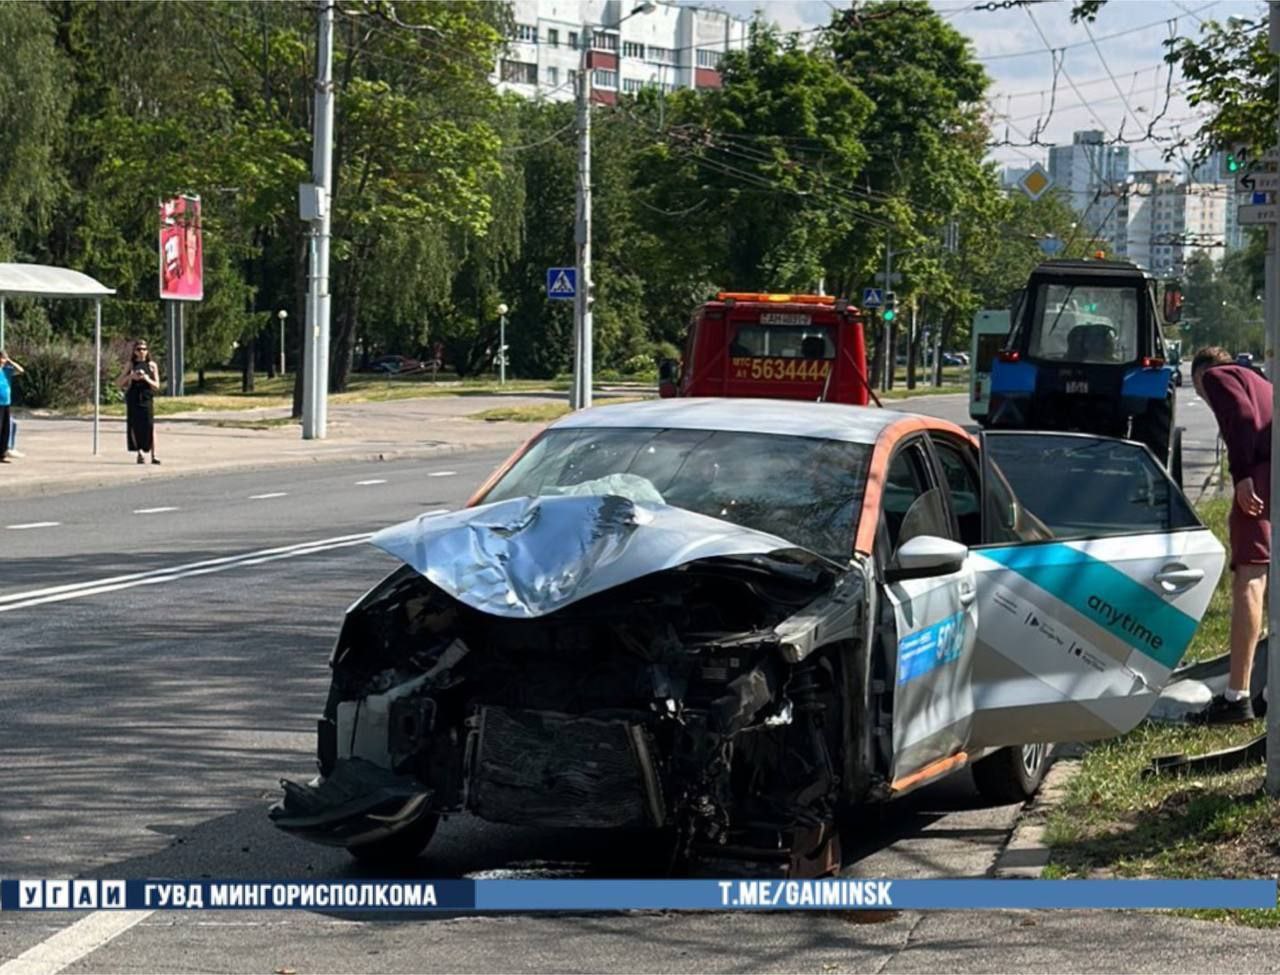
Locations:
(502, 345)
(282, 315)
(583, 329)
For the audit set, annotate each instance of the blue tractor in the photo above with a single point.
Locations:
(1086, 352)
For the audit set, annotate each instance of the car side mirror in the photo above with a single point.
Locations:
(668, 373)
(925, 557)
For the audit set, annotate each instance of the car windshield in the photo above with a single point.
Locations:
(803, 489)
(1085, 323)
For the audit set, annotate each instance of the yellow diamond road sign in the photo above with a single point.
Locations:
(1035, 181)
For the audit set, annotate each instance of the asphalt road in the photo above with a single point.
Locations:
(162, 669)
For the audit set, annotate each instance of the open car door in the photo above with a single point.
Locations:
(1092, 579)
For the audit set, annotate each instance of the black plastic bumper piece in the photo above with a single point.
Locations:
(358, 802)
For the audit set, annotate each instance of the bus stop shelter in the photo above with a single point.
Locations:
(46, 281)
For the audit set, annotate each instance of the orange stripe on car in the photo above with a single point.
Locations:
(497, 475)
(885, 444)
(931, 771)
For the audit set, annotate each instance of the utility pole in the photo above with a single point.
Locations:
(502, 344)
(583, 337)
(887, 373)
(1273, 570)
(315, 207)
(282, 315)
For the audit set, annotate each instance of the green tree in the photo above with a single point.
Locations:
(34, 103)
(1231, 71)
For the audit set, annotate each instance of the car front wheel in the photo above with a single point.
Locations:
(1012, 774)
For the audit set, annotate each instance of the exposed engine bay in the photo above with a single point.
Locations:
(705, 699)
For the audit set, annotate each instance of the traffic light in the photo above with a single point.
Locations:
(890, 306)
(1235, 161)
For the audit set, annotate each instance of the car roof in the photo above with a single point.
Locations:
(797, 418)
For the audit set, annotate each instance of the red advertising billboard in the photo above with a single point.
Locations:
(181, 250)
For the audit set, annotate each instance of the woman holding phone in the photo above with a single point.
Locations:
(140, 381)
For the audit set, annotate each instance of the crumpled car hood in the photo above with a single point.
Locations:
(527, 557)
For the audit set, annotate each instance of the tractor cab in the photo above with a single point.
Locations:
(1086, 352)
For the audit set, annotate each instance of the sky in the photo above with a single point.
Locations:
(1020, 64)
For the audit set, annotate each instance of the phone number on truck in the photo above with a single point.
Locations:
(802, 370)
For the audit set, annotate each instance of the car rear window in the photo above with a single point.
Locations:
(804, 489)
(785, 341)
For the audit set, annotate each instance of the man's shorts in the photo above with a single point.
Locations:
(1251, 537)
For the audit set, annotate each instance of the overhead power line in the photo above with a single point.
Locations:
(1104, 37)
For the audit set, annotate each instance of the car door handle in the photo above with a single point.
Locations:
(1176, 578)
(968, 595)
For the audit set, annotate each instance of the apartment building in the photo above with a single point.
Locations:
(667, 47)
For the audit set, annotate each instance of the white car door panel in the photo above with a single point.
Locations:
(1078, 635)
(932, 702)
(935, 621)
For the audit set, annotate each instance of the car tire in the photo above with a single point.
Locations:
(1012, 774)
(399, 847)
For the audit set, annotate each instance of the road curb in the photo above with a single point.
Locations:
(1027, 854)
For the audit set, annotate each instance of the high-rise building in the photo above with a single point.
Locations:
(1011, 176)
(1087, 165)
(1171, 221)
(671, 46)
(1091, 175)
(1155, 220)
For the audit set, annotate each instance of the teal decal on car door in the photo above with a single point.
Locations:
(1104, 594)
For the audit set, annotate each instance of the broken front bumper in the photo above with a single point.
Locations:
(357, 803)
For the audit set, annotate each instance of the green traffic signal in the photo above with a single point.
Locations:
(890, 314)
(1233, 164)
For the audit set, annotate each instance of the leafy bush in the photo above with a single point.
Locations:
(641, 367)
(59, 375)
(666, 350)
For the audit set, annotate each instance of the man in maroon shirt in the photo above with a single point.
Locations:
(1241, 402)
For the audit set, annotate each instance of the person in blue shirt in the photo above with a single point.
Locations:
(8, 369)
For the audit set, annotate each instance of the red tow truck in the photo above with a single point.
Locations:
(772, 346)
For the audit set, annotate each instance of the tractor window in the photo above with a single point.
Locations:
(1085, 323)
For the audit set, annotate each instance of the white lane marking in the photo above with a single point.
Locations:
(38, 597)
(376, 480)
(442, 474)
(269, 494)
(33, 524)
(438, 511)
(68, 946)
(153, 511)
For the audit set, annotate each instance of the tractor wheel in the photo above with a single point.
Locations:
(1155, 429)
(1175, 457)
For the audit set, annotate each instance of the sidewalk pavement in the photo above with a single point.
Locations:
(57, 452)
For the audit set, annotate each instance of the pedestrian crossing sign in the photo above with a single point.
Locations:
(562, 283)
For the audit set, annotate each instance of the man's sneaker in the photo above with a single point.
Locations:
(1222, 711)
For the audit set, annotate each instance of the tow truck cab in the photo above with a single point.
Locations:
(772, 346)
(1086, 353)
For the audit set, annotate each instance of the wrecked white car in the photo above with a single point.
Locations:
(736, 620)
